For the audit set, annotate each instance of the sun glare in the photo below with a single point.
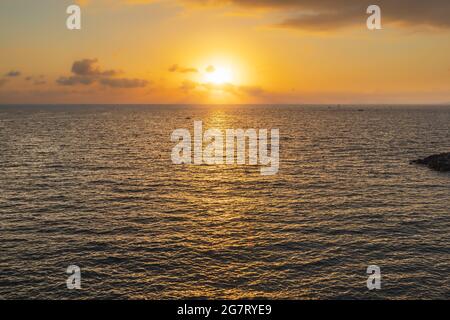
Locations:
(219, 75)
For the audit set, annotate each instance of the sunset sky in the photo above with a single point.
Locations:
(236, 51)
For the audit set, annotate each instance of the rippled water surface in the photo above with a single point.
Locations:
(95, 186)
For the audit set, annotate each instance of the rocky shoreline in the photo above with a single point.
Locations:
(438, 162)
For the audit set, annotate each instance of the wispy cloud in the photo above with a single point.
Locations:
(36, 80)
(124, 83)
(74, 80)
(13, 74)
(181, 69)
(210, 69)
(189, 86)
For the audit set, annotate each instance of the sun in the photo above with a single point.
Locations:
(218, 75)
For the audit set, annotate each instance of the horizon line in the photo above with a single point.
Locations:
(226, 104)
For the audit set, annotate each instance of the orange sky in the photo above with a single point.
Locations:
(256, 51)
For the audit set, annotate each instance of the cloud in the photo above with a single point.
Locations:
(124, 83)
(319, 15)
(87, 72)
(253, 90)
(188, 85)
(37, 80)
(177, 68)
(210, 69)
(74, 80)
(114, 2)
(330, 14)
(322, 22)
(224, 87)
(13, 73)
(237, 90)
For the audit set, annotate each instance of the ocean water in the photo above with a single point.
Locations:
(94, 186)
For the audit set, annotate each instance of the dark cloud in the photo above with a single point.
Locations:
(13, 73)
(124, 83)
(89, 67)
(180, 69)
(87, 72)
(85, 67)
(331, 14)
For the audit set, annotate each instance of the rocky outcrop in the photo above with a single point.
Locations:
(438, 162)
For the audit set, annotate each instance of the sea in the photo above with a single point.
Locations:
(94, 186)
